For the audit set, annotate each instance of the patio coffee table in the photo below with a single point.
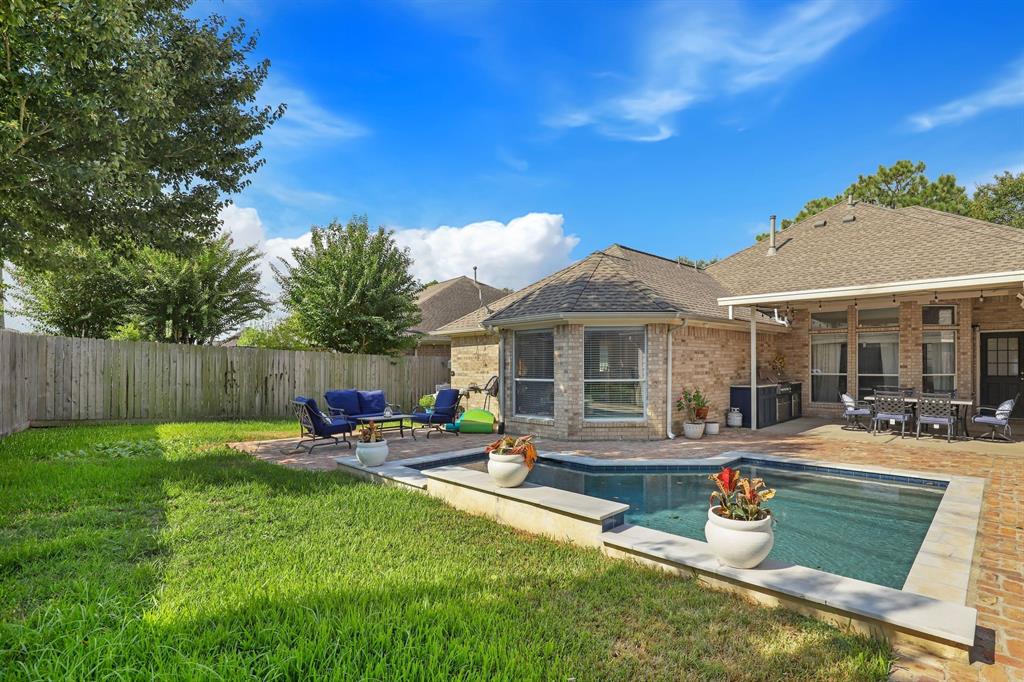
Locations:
(388, 422)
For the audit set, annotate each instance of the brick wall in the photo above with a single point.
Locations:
(432, 350)
(474, 360)
(713, 359)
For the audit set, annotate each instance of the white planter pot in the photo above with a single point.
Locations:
(692, 430)
(711, 428)
(740, 544)
(507, 471)
(372, 454)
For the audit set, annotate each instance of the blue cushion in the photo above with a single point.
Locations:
(337, 425)
(989, 419)
(859, 412)
(936, 420)
(892, 416)
(372, 402)
(446, 400)
(431, 418)
(346, 400)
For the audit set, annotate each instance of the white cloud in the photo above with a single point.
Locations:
(305, 122)
(1008, 92)
(697, 52)
(510, 254)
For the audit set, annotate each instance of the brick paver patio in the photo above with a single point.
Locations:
(997, 589)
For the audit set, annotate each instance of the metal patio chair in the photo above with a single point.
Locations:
(853, 410)
(936, 409)
(316, 426)
(996, 418)
(891, 406)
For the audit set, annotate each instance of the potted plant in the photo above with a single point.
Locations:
(427, 402)
(371, 449)
(510, 460)
(696, 405)
(739, 528)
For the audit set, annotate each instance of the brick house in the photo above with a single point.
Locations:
(855, 297)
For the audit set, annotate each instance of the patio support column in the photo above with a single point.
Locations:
(753, 368)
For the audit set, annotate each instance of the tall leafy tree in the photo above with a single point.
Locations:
(902, 184)
(83, 293)
(121, 120)
(1001, 201)
(351, 289)
(284, 334)
(197, 297)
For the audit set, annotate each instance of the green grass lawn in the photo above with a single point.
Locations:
(133, 552)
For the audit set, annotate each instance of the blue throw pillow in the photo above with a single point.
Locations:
(346, 400)
(372, 402)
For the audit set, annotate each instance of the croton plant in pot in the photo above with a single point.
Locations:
(371, 448)
(696, 405)
(739, 526)
(510, 460)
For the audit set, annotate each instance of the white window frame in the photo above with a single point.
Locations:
(931, 329)
(516, 380)
(810, 364)
(642, 380)
(956, 315)
(871, 332)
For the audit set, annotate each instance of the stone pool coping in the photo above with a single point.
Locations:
(929, 611)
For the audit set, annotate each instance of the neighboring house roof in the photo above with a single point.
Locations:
(878, 246)
(449, 300)
(614, 280)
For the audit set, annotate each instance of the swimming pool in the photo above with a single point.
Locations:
(854, 524)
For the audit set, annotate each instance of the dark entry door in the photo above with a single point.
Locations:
(1002, 369)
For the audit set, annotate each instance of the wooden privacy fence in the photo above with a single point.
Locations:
(49, 379)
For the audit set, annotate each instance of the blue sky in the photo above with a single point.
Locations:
(674, 128)
(521, 136)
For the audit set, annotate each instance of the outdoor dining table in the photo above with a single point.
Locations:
(962, 405)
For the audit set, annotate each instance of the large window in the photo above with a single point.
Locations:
(828, 367)
(614, 373)
(878, 317)
(938, 361)
(831, 319)
(878, 362)
(535, 373)
(938, 314)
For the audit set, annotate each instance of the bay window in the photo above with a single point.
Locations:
(828, 367)
(534, 373)
(938, 362)
(614, 373)
(878, 362)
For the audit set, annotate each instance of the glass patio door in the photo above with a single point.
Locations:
(1002, 369)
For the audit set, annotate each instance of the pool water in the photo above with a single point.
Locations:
(857, 528)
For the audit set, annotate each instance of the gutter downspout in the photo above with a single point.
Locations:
(668, 389)
(501, 379)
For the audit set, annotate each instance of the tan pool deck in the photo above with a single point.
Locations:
(997, 584)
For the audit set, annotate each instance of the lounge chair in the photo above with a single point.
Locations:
(358, 404)
(317, 426)
(936, 409)
(996, 418)
(445, 411)
(891, 406)
(853, 410)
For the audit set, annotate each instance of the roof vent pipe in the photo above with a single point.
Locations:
(480, 292)
(771, 244)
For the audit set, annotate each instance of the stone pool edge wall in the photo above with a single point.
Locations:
(902, 617)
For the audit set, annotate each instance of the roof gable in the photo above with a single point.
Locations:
(449, 300)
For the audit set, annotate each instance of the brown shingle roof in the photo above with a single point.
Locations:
(615, 280)
(880, 245)
(449, 300)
